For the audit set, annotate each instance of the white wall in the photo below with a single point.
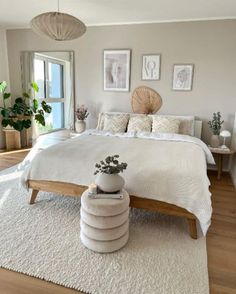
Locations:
(233, 167)
(210, 45)
(4, 73)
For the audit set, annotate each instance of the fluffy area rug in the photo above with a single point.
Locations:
(43, 241)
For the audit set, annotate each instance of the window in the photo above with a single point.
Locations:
(49, 75)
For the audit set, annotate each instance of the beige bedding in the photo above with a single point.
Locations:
(171, 169)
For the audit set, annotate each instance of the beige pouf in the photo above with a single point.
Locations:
(104, 223)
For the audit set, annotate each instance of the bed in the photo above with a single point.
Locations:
(166, 172)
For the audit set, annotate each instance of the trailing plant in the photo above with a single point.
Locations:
(110, 166)
(18, 115)
(216, 123)
(81, 112)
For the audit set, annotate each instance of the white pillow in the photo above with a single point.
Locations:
(101, 118)
(141, 123)
(116, 123)
(165, 125)
(186, 126)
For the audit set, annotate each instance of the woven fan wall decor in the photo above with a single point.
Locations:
(145, 100)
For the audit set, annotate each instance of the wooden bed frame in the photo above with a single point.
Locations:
(138, 202)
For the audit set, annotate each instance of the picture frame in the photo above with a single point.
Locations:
(151, 67)
(116, 70)
(182, 77)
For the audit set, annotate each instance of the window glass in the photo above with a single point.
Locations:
(39, 77)
(55, 80)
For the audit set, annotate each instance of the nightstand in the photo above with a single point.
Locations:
(220, 154)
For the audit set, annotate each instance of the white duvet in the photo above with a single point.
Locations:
(165, 167)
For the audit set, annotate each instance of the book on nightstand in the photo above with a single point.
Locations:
(95, 193)
(106, 196)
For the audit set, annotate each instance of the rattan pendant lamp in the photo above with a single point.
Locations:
(58, 26)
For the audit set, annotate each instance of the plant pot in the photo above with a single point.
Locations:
(12, 139)
(80, 126)
(110, 183)
(215, 141)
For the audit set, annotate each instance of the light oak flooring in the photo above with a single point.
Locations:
(221, 242)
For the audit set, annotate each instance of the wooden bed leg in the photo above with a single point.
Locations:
(33, 196)
(192, 228)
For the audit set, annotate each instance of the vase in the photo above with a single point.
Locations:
(215, 141)
(80, 126)
(109, 183)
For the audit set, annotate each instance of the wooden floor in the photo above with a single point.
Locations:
(221, 242)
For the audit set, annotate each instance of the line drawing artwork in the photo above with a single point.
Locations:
(182, 77)
(151, 67)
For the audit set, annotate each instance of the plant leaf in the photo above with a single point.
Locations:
(47, 108)
(5, 122)
(3, 86)
(6, 95)
(26, 95)
(40, 119)
(35, 105)
(35, 86)
(26, 123)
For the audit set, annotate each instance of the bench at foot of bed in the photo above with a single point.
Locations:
(137, 202)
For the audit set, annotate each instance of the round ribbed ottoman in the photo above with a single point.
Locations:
(104, 223)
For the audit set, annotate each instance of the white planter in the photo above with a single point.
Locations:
(215, 141)
(80, 126)
(109, 183)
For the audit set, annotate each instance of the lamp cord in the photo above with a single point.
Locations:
(58, 5)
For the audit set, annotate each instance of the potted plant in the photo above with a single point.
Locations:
(19, 114)
(108, 179)
(81, 114)
(215, 126)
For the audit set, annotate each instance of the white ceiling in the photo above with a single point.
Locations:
(18, 13)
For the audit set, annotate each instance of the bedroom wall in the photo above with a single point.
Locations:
(210, 45)
(4, 74)
(233, 146)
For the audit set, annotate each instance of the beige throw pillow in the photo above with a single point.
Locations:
(140, 124)
(116, 123)
(165, 125)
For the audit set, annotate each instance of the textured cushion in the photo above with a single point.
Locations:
(186, 126)
(104, 246)
(104, 222)
(102, 115)
(105, 207)
(165, 125)
(104, 234)
(140, 123)
(116, 123)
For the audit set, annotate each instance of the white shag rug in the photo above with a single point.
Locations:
(42, 240)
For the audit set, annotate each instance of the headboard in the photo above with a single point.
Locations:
(198, 129)
(197, 123)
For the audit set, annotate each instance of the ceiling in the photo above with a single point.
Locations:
(18, 13)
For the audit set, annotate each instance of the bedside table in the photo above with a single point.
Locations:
(220, 154)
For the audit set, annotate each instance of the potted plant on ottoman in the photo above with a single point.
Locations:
(25, 109)
(81, 114)
(109, 179)
(215, 126)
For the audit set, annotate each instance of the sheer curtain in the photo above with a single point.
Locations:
(69, 95)
(27, 77)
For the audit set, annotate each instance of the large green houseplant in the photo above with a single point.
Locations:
(18, 114)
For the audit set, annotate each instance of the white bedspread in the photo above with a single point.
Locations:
(165, 167)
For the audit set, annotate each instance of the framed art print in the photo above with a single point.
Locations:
(116, 70)
(151, 67)
(182, 77)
